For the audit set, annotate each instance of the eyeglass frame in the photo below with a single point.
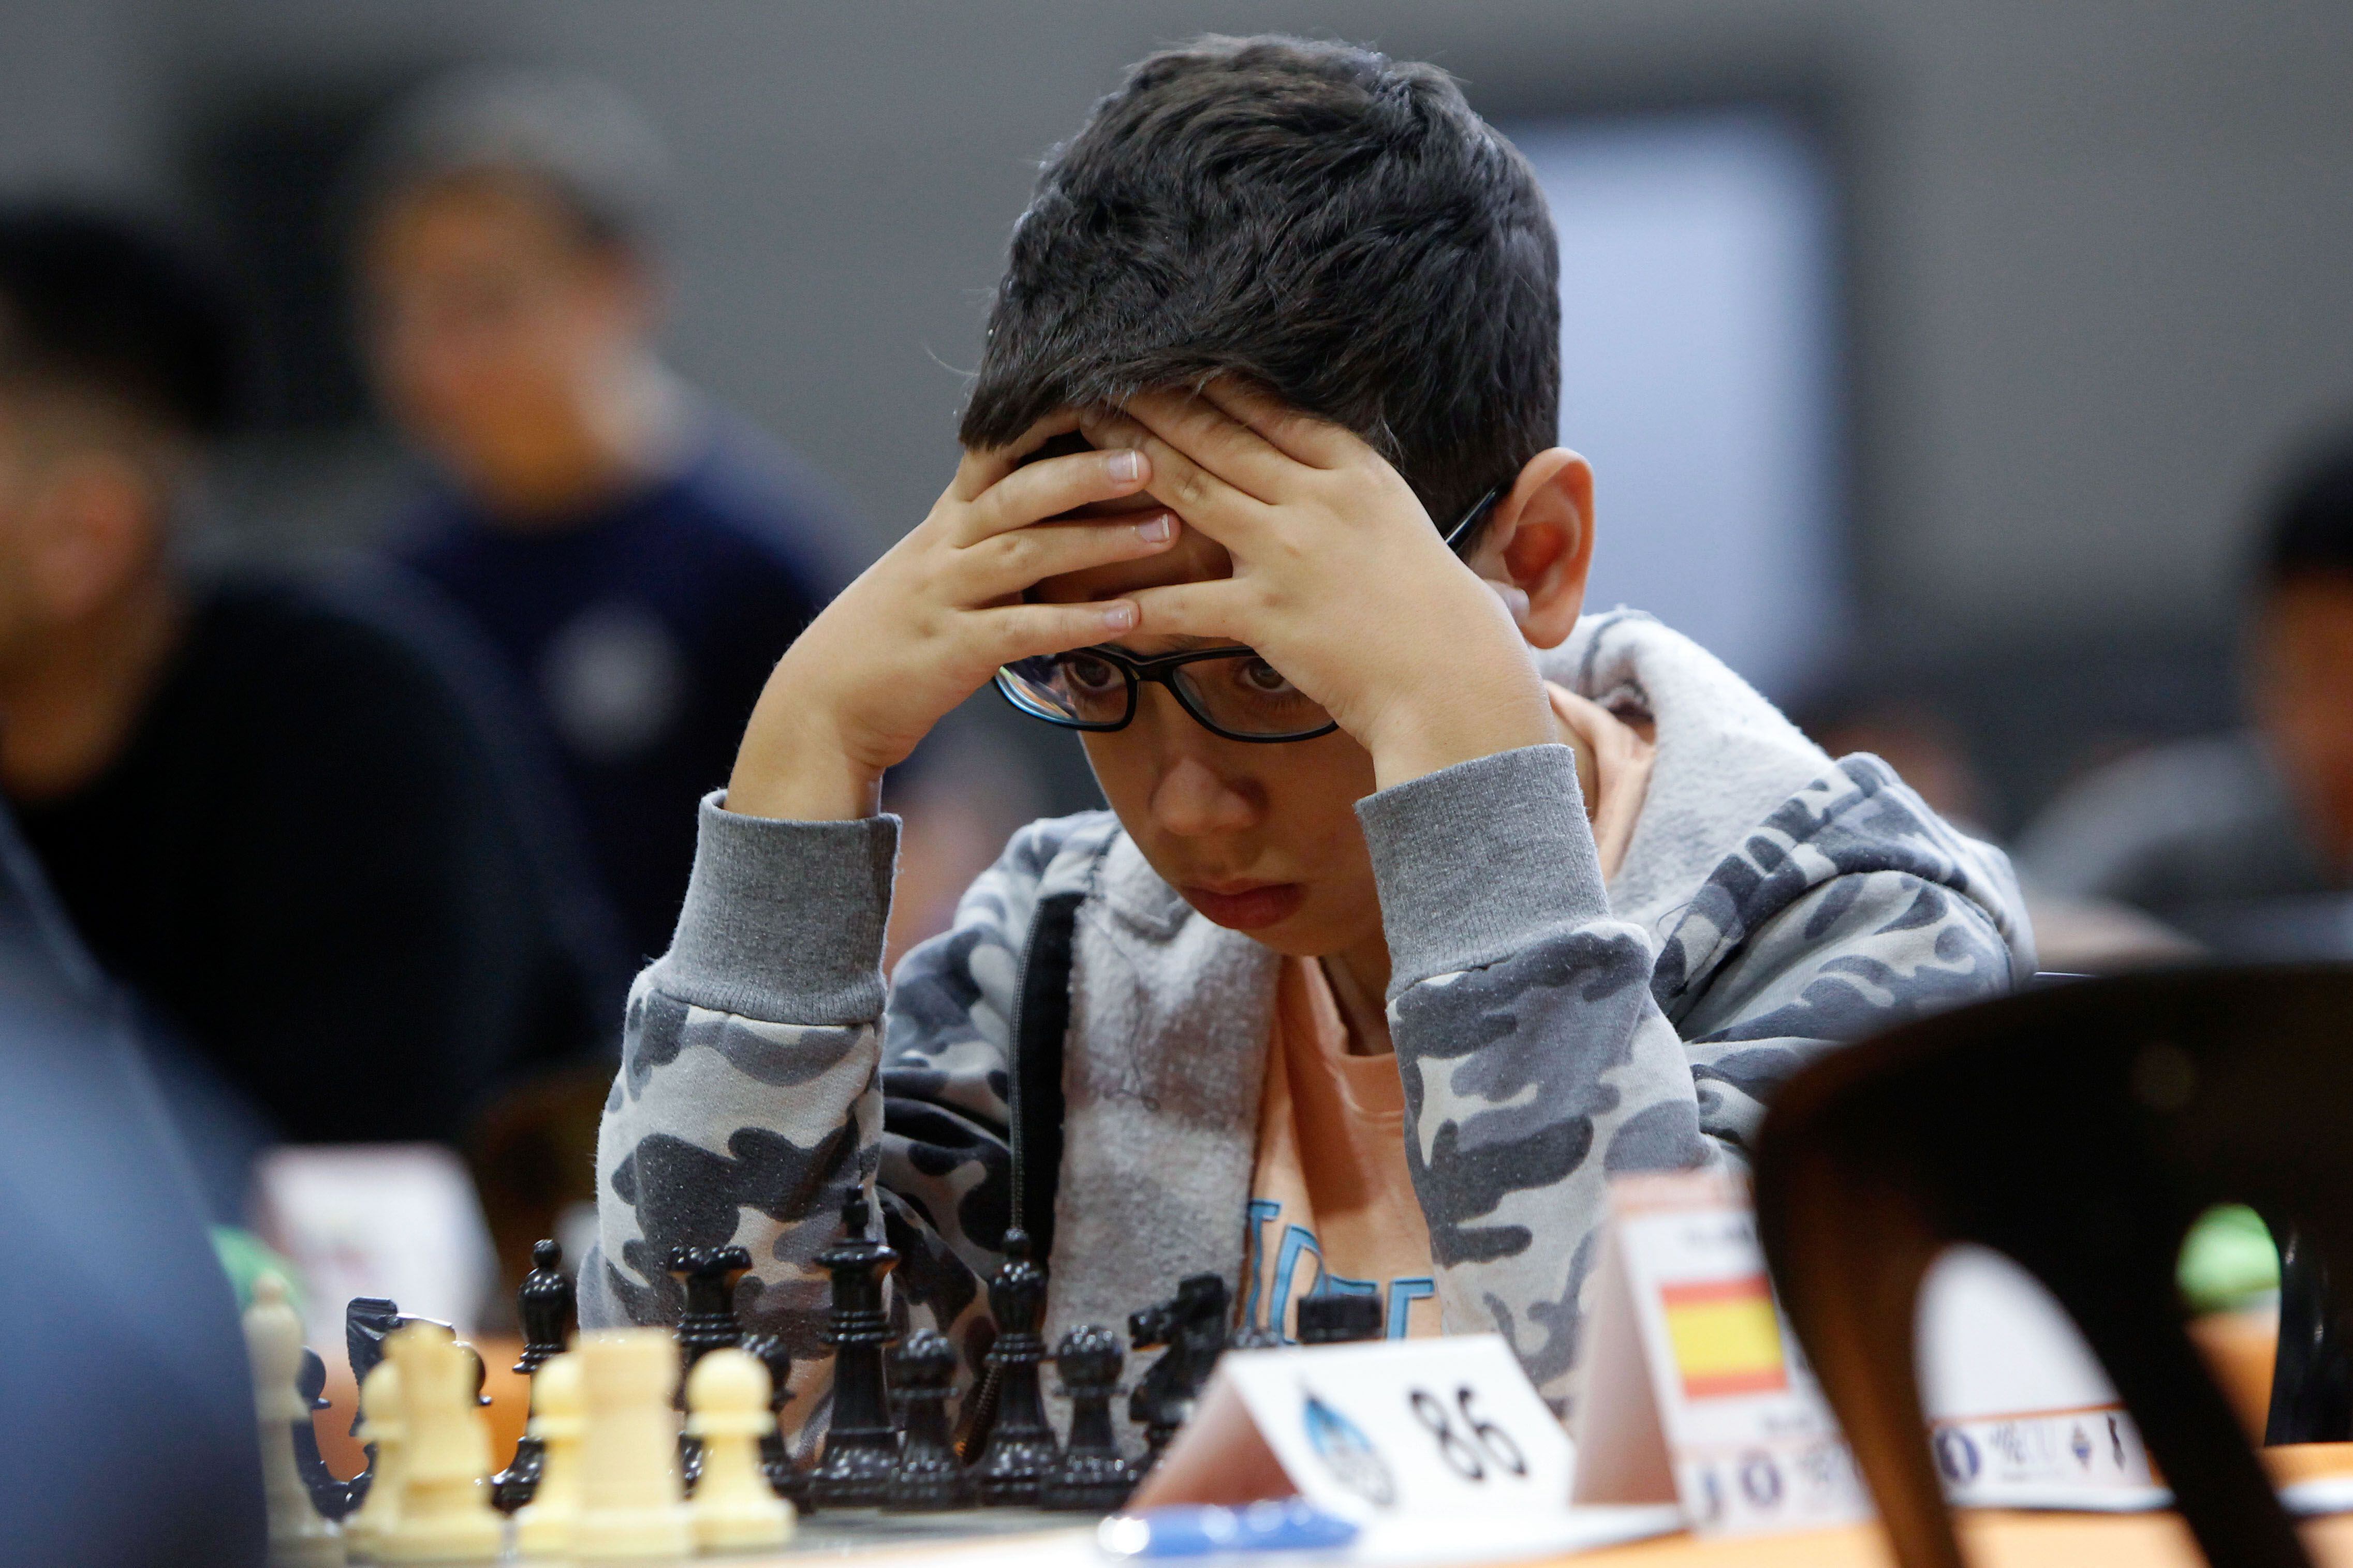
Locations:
(1159, 669)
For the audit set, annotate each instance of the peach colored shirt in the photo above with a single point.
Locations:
(1332, 1203)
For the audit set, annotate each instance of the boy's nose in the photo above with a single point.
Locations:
(1193, 801)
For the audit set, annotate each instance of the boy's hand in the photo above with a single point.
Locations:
(1339, 579)
(927, 624)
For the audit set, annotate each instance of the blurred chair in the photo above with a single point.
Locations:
(2080, 1129)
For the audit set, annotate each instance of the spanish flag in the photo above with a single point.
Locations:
(1725, 1336)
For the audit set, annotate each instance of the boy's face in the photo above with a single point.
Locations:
(492, 324)
(1259, 839)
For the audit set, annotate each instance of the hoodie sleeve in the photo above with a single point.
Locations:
(1547, 1046)
(762, 1076)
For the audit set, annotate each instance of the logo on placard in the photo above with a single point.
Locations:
(1957, 1457)
(1346, 1452)
(2081, 1446)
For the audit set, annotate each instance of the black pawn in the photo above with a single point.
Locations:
(544, 1305)
(1021, 1446)
(1092, 1476)
(862, 1448)
(331, 1497)
(775, 1455)
(1339, 1318)
(928, 1479)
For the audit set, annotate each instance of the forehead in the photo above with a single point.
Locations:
(485, 214)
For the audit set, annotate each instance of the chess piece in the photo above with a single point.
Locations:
(734, 1509)
(543, 1305)
(1192, 1324)
(708, 1274)
(445, 1506)
(543, 1524)
(332, 1498)
(632, 1502)
(1022, 1446)
(1091, 1475)
(298, 1537)
(381, 1424)
(862, 1448)
(1338, 1318)
(928, 1478)
(776, 1453)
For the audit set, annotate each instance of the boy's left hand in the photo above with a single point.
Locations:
(1339, 579)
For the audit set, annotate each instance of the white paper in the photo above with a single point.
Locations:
(383, 1219)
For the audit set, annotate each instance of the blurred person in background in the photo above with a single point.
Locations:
(639, 557)
(2243, 839)
(277, 820)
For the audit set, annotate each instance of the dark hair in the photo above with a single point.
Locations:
(2310, 532)
(1334, 225)
(103, 304)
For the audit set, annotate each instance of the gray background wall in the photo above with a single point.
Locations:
(2099, 249)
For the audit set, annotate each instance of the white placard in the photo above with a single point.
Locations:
(2021, 1414)
(1691, 1387)
(378, 1219)
(1440, 1449)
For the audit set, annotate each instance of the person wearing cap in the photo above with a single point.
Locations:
(2245, 838)
(638, 556)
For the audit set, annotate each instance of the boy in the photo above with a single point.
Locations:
(1390, 950)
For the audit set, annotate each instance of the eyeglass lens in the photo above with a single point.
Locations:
(1242, 693)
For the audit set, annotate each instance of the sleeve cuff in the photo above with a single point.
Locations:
(1474, 862)
(783, 921)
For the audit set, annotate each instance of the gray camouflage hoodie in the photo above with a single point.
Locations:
(1551, 1032)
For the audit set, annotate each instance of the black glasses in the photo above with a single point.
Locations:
(1229, 692)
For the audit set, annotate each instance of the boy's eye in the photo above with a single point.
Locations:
(1087, 674)
(1261, 678)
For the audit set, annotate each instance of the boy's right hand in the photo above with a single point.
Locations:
(927, 624)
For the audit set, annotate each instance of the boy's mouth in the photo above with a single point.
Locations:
(1246, 907)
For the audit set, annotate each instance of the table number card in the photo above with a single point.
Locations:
(1399, 1436)
(1692, 1388)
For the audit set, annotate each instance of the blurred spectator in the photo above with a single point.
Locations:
(640, 558)
(276, 821)
(127, 1437)
(2245, 839)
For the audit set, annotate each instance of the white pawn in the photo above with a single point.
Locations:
(445, 1508)
(383, 1426)
(634, 1505)
(733, 1507)
(299, 1538)
(543, 1526)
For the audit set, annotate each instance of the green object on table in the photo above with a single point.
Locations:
(245, 1258)
(2227, 1261)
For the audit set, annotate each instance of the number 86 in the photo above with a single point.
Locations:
(1460, 1456)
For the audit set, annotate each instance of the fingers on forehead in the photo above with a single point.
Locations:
(1301, 436)
(983, 467)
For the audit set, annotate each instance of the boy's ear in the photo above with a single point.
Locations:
(1538, 545)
